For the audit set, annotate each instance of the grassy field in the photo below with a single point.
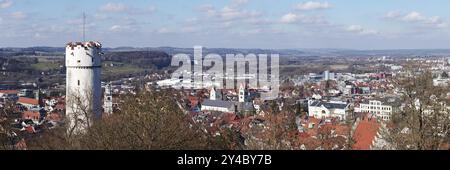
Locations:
(45, 66)
(120, 69)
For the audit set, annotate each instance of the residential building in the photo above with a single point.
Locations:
(382, 111)
(8, 95)
(218, 105)
(26, 93)
(29, 103)
(35, 116)
(366, 133)
(324, 110)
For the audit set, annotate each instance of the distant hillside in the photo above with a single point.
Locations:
(222, 51)
(143, 59)
(303, 52)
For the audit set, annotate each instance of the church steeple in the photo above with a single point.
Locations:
(108, 103)
(213, 94)
(242, 93)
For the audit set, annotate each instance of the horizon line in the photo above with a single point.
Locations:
(321, 48)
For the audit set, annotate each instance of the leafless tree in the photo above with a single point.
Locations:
(5, 125)
(80, 114)
(276, 133)
(424, 122)
(146, 121)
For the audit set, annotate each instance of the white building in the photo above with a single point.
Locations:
(83, 86)
(348, 90)
(214, 94)
(323, 110)
(10, 95)
(242, 93)
(168, 82)
(107, 100)
(377, 108)
(316, 96)
(441, 82)
(218, 105)
(327, 75)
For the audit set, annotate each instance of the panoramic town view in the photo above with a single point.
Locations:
(224, 75)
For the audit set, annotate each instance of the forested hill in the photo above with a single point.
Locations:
(140, 58)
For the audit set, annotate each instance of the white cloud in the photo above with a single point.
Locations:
(147, 10)
(192, 20)
(18, 15)
(436, 21)
(393, 14)
(114, 7)
(115, 28)
(291, 18)
(231, 13)
(74, 21)
(122, 28)
(418, 18)
(353, 28)
(205, 7)
(358, 29)
(208, 9)
(236, 3)
(5, 3)
(123, 8)
(37, 35)
(190, 29)
(311, 5)
(151, 9)
(227, 24)
(228, 13)
(413, 17)
(254, 31)
(164, 31)
(259, 21)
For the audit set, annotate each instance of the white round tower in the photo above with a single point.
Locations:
(83, 85)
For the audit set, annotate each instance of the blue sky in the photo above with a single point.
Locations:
(275, 24)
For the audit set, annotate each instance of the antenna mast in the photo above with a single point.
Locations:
(84, 27)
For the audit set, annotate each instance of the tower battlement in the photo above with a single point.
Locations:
(89, 44)
(87, 54)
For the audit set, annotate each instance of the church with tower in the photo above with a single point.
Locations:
(223, 102)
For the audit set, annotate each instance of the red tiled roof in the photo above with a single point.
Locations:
(31, 115)
(342, 130)
(365, 134)
(30, 129)
(28, 101)
(303, 135)
(310, 143)
(228, 117)
(54, 117)
(60, 106)
(9, 91)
